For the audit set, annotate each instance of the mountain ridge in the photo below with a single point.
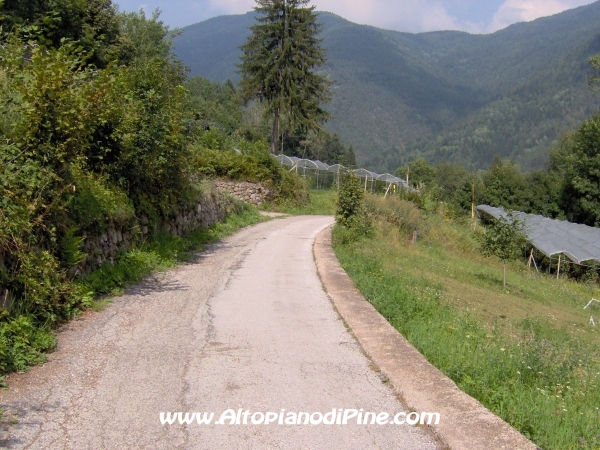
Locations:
(443, 94)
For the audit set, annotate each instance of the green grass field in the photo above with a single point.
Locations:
(528, 352)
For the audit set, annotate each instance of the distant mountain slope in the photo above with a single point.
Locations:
(210, 48)
(524, 122)
(444, 95)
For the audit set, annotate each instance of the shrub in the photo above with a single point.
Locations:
(251, 161)
(351, 216)
(400, 213)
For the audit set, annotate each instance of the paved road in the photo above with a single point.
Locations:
(247, 325)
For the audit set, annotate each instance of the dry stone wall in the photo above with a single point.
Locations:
(254, 193)
(214, 207)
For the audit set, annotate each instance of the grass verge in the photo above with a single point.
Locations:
(528, 353)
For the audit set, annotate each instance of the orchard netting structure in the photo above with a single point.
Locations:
(325, 176)
(555, 238)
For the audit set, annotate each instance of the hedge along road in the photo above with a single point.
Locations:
(245, 326)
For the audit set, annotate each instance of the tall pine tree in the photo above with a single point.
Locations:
(278, 66)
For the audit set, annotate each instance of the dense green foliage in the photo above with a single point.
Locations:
(320, 203)
(576, 161)
(443, 95)
(216, 105)
(351, 216)
(94, 24)
(278, 66)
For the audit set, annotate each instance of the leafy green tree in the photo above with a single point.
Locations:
(215, 105)
(351, 214)
(577, 161)
(505, 186)
(543, 194)
(94, 24)
(419, 172)
(278, 66)
(450, 177)
(503, 238)
(350, 200)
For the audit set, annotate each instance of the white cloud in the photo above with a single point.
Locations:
(513, 11)
(402, 15)
(415, 15)
(232, 6)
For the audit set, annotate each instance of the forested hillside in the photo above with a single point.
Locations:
(442, 95)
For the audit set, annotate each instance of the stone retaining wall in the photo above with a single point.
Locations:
(254, 193)
(214, 207)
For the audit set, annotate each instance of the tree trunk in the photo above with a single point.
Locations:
(504, 275)
(275, 136)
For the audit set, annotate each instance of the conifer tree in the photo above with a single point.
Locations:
(278, 66)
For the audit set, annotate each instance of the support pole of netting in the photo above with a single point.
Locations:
(558, 270)
(387, 190)
(532, 259)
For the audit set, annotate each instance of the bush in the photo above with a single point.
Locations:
(400, 213)
(251, 161)
(351, 216)
(22, 344)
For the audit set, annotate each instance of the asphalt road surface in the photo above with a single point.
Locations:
(245, 326)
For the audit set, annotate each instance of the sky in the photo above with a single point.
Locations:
(474, 16)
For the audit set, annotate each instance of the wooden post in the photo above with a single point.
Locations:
(473, 199)
(558, 270)
(414, 240)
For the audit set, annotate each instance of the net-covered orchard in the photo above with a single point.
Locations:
(320, 175)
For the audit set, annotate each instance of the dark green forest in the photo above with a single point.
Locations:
(442, 95)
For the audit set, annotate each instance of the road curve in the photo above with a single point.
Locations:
(246, 326)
